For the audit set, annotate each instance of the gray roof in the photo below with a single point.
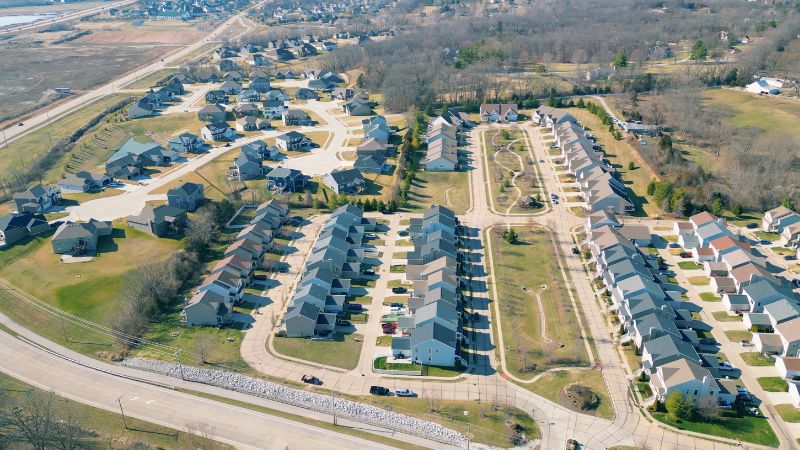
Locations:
(782, 310)
(346, 176)
(668, 345)
(304, 309)
(401, 343)
(435, 331)
(185, 189)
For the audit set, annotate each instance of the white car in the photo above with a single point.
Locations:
(396, 309)
(404, 393)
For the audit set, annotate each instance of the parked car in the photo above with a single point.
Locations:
(686, 254)
(752, 226)
(764, 242)
(673, 245)
(399, 290)
(746, 343)
(354, 307)
(311, 379)
(343, 323)
(395, 309)
(379, 390)
(726, 365)
(708, 341)
(397, 305)
(796, 283)
(370, 235)
(790, 258)
(405, 393)
(389, 328)
(368, 272)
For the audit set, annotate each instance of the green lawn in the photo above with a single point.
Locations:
(531, 263)
(343, 351)
(384, 341)
(710, 297)
(739, 335)
(756, 359)
(748, 429)
(788, 413)
(381, 364)
(550, 385)
(699, 281)
(773, 384)
(499, 170)
(783, 251)
(767, 236)
(689, 265)
(106, 426)
(450, 189)
(397, 283)
(723, 316)
(486, 422)
(89, 290)
(362, 299)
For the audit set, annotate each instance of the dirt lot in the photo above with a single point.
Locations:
(163, 33)
(30, 74)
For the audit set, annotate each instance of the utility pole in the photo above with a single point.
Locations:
(180, 365)
(124, 422)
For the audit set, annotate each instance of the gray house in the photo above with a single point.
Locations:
(16, 226)
(371, 164)
(211, 113)
(345, 181)
(301, 320)
(77, 238)
(185, 143)
(295, 117)
(207, 308)
(159, 221)
(83, 182)
(187, 196)
(293, 140)
(285, 180)
(36, 199)
(247, 167)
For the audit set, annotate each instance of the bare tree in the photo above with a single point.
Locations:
(201, 435)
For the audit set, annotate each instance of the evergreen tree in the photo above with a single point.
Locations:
(620, 60)
(787, 202)
(699, 51)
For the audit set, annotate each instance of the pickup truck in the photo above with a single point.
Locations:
(379, 390)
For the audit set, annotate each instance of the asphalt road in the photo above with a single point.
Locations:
(66, 17)
(240, 427)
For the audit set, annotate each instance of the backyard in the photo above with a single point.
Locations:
(90, 290)
(522, 272)
(747, 428)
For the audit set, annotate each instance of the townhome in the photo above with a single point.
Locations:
(207, 308)
(687, 377)
(665, 349)
(776, 219)
(503, 112)
(760, 292)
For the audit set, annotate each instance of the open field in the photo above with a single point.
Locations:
(748, 429)
(449, 189)
(486, 422)
(33, 145)
(502, 167)
(343, 351)
(109, 427)
(530, 264)
(550, 386)
(90, 290)
(620, 154)
(159, 32)
(59, 8)
(30, 74)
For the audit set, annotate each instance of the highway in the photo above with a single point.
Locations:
(33, 123)
(65, 17)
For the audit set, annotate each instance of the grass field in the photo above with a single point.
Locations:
(33, 145)
(550, 386)
(449, 189)
(739, 335)
(531, 262)
(343, 351)
(486, 422)
(756, 359)
(788, 413)
(773, 384)
(748, 429)
(90, 290)
(500, 178)
(108, 426)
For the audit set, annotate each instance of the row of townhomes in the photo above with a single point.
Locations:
(662, 328)
(748, 287)
(499, 112)
(213, 301)
(432, 330)
(443, 138)
(584, 160)
(786, 222)
(335, 260)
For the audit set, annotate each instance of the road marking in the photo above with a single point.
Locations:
(133, 399)
(148, 402)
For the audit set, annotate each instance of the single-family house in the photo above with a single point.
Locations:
(293, 141)
(345, 181)
(212, 113)
(78, 238)
(37, 199)
(687, 377)
(207, 308)
(296, 117)
(285, 179)
(160, 221)
(17, 226)
(186, 196)
(83, 181)
(185, 143)
(218, 132)
(371, 164)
